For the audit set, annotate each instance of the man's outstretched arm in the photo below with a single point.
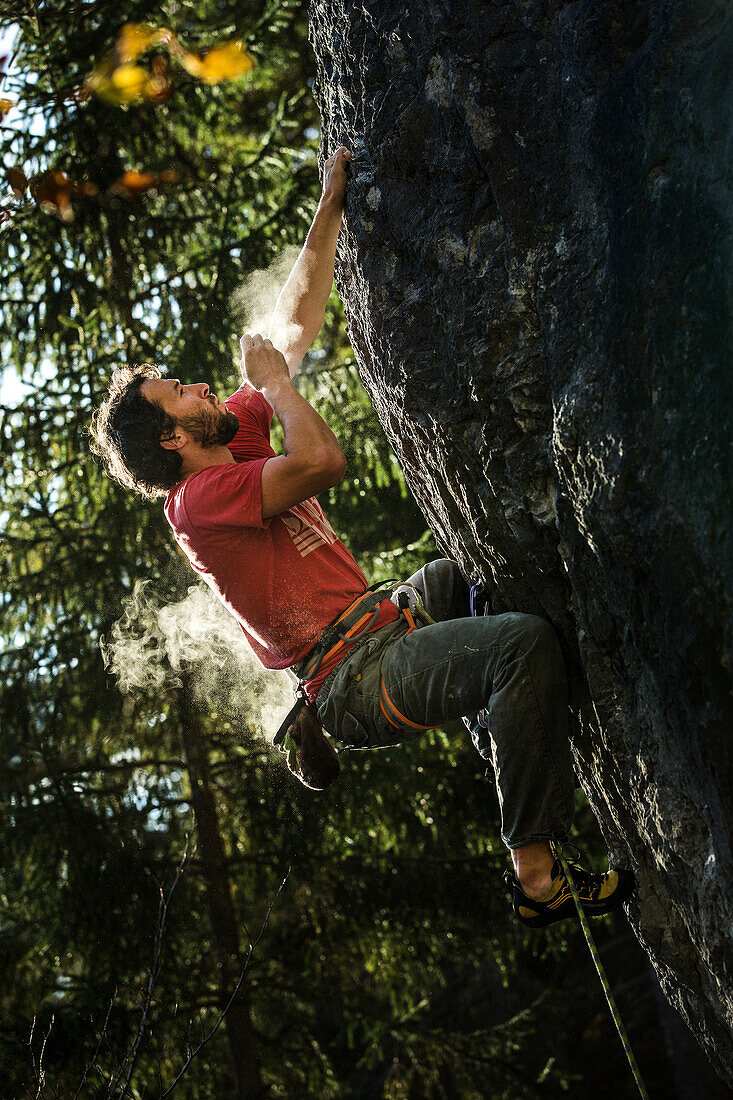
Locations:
(301, 306)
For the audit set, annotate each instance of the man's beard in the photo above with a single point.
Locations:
(211, 427)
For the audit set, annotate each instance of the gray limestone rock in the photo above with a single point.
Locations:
(535, 264)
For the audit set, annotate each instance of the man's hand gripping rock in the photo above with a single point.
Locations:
(334, 178)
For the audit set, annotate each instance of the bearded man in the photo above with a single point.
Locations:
(374, 667)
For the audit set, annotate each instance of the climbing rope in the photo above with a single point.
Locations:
(613, 1007)
(419, 611)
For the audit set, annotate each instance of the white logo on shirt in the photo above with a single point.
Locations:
(308, 526)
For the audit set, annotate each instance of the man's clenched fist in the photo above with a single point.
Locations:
(262, 364)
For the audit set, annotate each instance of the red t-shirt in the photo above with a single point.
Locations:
(284, 578)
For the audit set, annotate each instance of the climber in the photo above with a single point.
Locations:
(251, 527)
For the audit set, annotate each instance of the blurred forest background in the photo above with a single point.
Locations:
(160, 866)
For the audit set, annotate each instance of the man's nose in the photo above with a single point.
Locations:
(201, 389)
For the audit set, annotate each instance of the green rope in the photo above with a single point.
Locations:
(615, 1015)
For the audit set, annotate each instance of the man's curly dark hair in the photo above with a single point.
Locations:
(126, 431)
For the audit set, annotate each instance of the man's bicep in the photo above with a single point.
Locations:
(286, 482)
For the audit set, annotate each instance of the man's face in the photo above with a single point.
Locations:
(198, 413)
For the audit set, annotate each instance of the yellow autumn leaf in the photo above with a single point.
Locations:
(129, 81)
(135, 38)
(225, 62)
(120, 86)
(5, 106)
(119, 80)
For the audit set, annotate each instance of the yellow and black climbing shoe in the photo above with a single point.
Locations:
(598, 894)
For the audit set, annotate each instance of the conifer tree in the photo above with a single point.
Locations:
(136, 205)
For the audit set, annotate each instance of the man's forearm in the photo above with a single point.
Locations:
(301, 306)
(307, 437)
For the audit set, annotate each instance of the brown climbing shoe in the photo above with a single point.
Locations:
(598, 894)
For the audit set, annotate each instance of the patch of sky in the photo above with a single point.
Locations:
(51, 492)
(15, 391)
(147, 311)
(64, 981)
(142, 797)
(126, 756)
(157, 821)
(32, 118)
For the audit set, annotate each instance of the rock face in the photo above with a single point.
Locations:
(535, 263)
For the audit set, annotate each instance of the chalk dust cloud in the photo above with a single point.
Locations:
(152, 643)
(253, 303)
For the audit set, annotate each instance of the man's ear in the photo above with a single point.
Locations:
(173, 442)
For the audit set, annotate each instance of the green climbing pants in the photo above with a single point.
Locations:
(396, 682)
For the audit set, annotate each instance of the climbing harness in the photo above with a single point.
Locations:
(349, 627)
(558, 850)
(300, 734)
(408, 599)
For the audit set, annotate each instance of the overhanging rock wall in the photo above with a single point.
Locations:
(536, 269)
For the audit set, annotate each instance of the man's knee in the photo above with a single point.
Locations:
(442, 571)
(444, 575)
(532, 632)
(444, 591)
